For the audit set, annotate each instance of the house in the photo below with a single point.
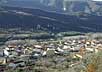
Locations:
(50, 52)
(19, 50)
(12, 46)
(66, 47)
(16, 64)
(3, 60)
(27, 50)
(35, 55)
(89, 49)
(6, 51)
(75, 49)
(59, 49)
(77, 56)
(37, 46)
(44, 53)
(88, 43)
(74, 64)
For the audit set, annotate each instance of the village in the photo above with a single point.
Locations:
(73, 50)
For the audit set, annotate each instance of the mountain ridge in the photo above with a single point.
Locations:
(61, 6)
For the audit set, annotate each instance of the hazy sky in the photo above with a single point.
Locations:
(97, 0)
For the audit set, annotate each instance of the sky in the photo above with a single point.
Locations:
(97, 0)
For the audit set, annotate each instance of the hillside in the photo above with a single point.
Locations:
(60, 6)
(14, 17)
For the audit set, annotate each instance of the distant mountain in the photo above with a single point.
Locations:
(25, 18)
(61, 6)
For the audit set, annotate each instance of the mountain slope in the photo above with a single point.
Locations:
(37, 19)
(61, 6)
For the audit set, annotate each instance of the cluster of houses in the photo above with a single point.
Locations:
(14, 55)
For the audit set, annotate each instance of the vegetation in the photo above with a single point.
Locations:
(95, 63)
(71, 33)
